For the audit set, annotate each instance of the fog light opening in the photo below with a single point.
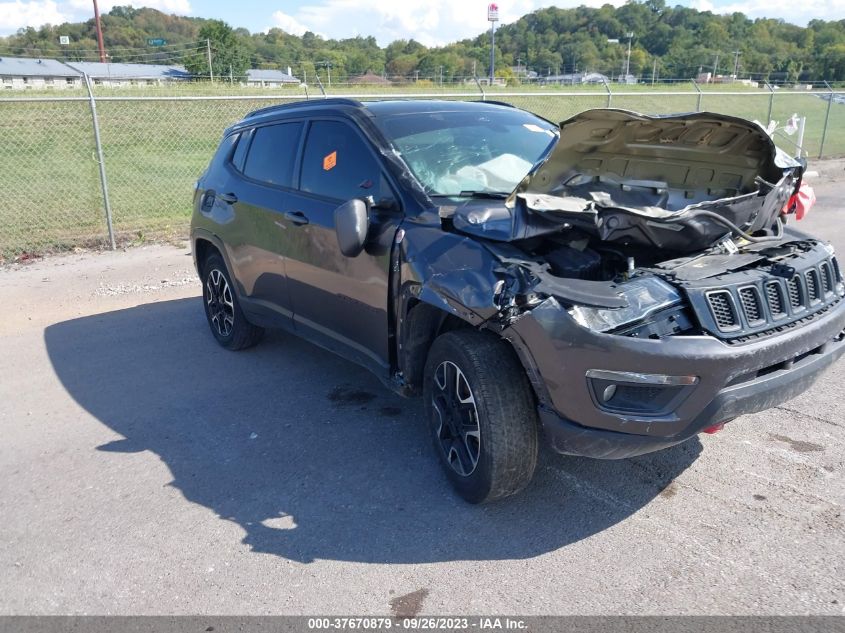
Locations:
(634, 393)
(608, 393)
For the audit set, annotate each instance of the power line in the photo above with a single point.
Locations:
(13, 51)
(93, 56)
(112, 48)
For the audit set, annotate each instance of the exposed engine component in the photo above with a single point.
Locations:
(573, 263)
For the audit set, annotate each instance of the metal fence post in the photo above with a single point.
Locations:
(802, 124)
(771, 102)
(480, 88)
(100, 161)
(826, 119)
(698, 99)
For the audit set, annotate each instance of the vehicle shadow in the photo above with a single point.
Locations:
(312, 456)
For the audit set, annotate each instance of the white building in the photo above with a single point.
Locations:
(120, 75)
(22, 73)
(269, 78)
(572, 79)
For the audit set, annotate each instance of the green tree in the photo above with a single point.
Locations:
(403, 65)
(680, 39)
(228, 52)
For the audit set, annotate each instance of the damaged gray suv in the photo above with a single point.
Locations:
(618, 283)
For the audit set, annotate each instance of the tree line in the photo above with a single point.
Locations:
(669, 42)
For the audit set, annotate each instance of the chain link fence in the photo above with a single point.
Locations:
(154, 148)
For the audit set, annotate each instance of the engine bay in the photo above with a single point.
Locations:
(658, 226)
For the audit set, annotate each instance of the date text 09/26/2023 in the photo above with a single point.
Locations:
(479, 623)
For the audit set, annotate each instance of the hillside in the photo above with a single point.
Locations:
(676, 42)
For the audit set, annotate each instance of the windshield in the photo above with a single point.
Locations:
(469, 153)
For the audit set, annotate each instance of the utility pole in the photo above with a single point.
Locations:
(231, 79)
(492, 17)
(736, 65)
(208, 50)
(653, 71)
(492, 52)
(628, 59)
(99, 28)
(716, 66)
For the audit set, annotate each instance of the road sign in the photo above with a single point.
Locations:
(156, 41)
(492, 12)
(64, 40)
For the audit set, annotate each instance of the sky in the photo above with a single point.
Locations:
(431, 22)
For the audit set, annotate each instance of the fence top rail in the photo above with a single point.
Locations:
(420, 95)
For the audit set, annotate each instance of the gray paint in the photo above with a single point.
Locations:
(495, 287)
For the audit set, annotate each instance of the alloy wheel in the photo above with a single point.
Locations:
(458, 431)
(221, 307)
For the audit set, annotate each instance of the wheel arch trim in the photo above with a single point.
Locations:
(198, 235)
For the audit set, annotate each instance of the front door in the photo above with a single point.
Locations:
(340, 301)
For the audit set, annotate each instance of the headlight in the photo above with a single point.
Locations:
(645, 296)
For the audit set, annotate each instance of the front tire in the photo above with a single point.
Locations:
(482, 415)
(225, 318)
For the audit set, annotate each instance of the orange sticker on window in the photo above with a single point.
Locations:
(329, 161)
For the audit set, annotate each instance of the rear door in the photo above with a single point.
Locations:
(337, 300)
(267, 171)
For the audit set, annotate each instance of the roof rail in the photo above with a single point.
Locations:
(494, 102)
(310, 102)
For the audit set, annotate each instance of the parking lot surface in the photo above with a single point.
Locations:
(145, 470)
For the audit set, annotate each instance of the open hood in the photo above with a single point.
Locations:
(676, 182)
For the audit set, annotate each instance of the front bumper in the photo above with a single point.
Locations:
(732, 379)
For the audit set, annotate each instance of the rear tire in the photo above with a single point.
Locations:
(225, 318)
(482, 415)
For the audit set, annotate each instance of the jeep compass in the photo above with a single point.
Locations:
(615, 284)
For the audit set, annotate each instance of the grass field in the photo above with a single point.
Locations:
(155, 149)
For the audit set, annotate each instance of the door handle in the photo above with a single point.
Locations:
(296, 217)
(228, 198)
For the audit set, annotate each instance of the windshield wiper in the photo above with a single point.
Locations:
(493, 195)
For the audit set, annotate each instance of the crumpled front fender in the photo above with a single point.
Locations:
(453, 273)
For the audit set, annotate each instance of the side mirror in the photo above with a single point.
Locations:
(351, 223)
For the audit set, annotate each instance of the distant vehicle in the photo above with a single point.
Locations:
(621, 282)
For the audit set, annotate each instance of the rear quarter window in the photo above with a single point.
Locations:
(239, 155)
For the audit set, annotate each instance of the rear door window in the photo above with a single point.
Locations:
(272, 153)
(338, 164)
